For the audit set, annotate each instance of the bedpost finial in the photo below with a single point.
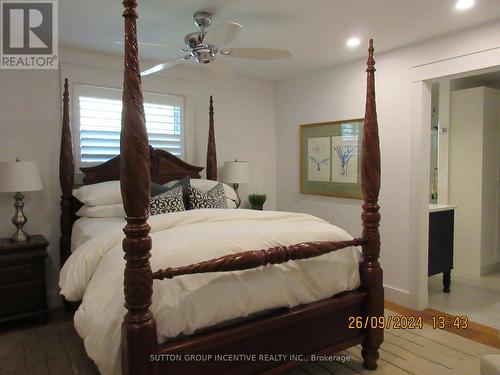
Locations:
(211, 149)
(371, 61)
(129, 6)
(66, 93)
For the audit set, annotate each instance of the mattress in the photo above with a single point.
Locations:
(189, 303)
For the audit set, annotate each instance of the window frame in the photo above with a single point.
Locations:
(113, 93)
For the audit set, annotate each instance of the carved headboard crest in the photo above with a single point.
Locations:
(165, 167)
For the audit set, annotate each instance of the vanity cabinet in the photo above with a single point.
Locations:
(441, 229)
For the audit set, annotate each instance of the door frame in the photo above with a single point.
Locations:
(422, 76)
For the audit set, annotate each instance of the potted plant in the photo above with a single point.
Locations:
(257, 201)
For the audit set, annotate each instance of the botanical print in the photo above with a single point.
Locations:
(318, 151)
(345, 159)
(330, 156)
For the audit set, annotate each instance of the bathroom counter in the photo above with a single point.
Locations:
(441, 207)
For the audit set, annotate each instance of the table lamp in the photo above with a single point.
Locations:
(236, 173)
(18, 177)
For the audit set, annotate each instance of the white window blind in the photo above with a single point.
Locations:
(98, 116)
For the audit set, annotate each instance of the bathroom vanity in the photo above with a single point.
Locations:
(441, 228)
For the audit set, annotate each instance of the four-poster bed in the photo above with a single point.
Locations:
(317, 327)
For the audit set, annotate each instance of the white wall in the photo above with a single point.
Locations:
(490, 257)
(338, 93)
(474, 145)
(465, 176)
(30, 103)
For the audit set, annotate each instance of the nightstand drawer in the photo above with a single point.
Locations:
(17, 274)
(20, 298)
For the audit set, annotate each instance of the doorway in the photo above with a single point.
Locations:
(464, 197)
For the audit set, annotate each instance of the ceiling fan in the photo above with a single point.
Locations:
(206, 47)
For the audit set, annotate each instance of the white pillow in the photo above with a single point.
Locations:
(230, 203)
(206, 185)
(110, 210)
(100, 194)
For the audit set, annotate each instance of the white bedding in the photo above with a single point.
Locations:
(85, 228)
(184, 304)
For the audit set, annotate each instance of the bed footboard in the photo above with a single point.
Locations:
(258, 346)
(315, 328)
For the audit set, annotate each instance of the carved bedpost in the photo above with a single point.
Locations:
(139, 327)
(211, 149)
(370, 270)
(66, 175)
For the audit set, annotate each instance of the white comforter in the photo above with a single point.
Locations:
(94, 273)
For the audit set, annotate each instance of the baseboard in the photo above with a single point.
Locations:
(490, 268)
(401, 297)
(54, 299)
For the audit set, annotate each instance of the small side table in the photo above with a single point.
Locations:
(22, 279)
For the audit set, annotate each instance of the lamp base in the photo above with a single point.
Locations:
(19, 220)
(20, 236)
(238, 201)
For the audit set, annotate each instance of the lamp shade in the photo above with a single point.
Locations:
(236, 172)
(19, 176)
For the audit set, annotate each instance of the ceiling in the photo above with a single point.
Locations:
(490, 79)
(314, 30)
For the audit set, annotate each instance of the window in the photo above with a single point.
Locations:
(97, 117)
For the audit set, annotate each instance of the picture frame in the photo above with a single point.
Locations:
(330, 158)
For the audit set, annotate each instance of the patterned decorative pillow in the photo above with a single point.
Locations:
(157, 189)
(170, 201)
(214, 198)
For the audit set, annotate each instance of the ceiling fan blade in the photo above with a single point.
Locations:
(146, 44)
(257, 53)
(160, 67)
(220, 68)
(222, 34)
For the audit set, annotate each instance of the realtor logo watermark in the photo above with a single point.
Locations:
(29, 34)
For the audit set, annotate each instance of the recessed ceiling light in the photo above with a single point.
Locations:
(464, 4)
(353, 42)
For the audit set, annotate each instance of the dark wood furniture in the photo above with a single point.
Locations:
(319, 327)
(441, 229)
(22, 279)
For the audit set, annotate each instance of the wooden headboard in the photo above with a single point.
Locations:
(163, 167)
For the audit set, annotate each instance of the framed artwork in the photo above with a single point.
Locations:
(330, 158)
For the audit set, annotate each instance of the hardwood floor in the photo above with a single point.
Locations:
(56, 349)
(51, 349)
(475, 332)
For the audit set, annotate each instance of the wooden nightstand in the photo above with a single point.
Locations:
(22, 279)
